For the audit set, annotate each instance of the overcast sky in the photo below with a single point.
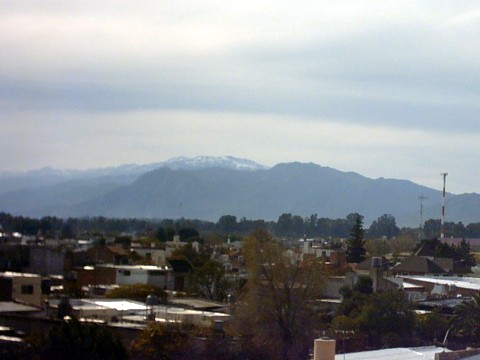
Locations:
(383, 88)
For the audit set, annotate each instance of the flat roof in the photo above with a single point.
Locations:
(120, 305)
(18, 274)
(197, 303)
(134, 267)
(10, 306)
(470, 283)
(421, 353)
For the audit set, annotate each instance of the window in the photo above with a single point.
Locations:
(27, 289)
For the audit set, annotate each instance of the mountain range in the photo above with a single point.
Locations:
(208, 187)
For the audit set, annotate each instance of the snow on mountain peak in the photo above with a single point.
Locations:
(229, 162)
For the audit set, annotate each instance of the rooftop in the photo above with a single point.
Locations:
(421, 353)
(470, 283)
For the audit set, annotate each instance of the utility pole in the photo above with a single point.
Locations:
(442, 226)
(421, 198)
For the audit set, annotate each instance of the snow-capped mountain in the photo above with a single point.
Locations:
(201, 162)
(122, 174)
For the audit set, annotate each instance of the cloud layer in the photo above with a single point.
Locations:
(383, 88)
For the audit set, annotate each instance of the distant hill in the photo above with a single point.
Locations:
(207, 188)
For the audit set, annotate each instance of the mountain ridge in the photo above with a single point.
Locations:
(207, 189)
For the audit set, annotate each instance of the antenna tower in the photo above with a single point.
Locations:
(442, 226)
(421, 198)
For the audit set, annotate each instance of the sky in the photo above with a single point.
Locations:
(383, 88)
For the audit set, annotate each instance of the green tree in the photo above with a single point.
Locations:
(161, 234)
(355, 243)
(227, 224)
(464, 258)
(385, 225)
(364, 285)
(189, 234)
(284, 225)
(466, 321)
(384, 315)
(432, 326)
(210, 280)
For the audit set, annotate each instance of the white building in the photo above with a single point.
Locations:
(144, 274)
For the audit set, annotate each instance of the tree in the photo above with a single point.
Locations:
(276, 308)
(385, 314)
(384, 226)
(466, 321)
(74, 340)
(364, 285)
(189, 234)
(355, 243)
(210, 280)
(464, 258)
(284, 225)
(227, 224)
(432, 325)
(161, 234)
(159, 343)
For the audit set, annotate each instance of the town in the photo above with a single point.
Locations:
(235, 289)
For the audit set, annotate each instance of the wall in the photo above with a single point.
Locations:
(456, 355)
(27, 289)
(46, 261)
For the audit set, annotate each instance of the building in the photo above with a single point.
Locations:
(158, 276)
(154, 255)
(21, 287)
(418, 265)
(108, 254)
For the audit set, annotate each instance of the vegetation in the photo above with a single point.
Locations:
(462, 257)
(136, 292)
(384, 319)
(75, 340)
(356, 251)
(467, 320)
(287, 225)
(159, 343)
(276, 313)
(275, 310)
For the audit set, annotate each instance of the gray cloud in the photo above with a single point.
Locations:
(396, 65)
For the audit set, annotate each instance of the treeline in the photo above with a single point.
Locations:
(287, 225)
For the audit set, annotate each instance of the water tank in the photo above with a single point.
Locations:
(324, 349)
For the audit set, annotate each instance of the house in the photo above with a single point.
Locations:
(46, 261)
(108, 254)
(445, 285)
(153, 255)
(377, 268)
(181, 270)
(21, 287)
(158, 276)
(418, 265)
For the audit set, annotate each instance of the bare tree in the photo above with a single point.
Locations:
(277, 308)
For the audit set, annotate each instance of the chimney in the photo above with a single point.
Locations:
(324, 349)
